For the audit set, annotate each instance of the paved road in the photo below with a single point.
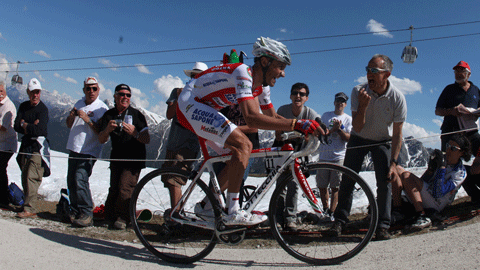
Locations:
(24, 247)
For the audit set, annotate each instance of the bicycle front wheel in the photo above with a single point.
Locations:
(310, 240)
(166, 239)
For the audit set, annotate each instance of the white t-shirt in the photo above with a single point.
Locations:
(82, 138)
(8, 113)
(335, 149)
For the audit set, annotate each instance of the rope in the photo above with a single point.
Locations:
(199, 159)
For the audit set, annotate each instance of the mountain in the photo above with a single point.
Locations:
(413, 153)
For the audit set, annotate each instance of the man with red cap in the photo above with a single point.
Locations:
(458, 104)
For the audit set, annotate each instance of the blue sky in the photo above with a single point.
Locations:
(49, 30)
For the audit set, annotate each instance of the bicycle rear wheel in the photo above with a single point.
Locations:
(312, 242)
(165, 238)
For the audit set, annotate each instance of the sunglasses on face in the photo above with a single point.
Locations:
(124, 95)
(374, 70)
(453, 147)
(94, 89)
(294, 93)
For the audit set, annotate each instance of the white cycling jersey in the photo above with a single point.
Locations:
(213, 90)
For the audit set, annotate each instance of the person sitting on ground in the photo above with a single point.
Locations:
(438, 185)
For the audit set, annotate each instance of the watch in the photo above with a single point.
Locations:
(394, 160)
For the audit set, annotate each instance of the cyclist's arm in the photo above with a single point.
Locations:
(255, 119)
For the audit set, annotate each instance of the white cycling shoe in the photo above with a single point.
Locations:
(243, 218)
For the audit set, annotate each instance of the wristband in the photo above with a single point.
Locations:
(293, 123)
(394, 161)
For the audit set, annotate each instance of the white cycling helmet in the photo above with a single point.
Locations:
(272, 49)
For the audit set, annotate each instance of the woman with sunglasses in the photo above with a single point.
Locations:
(438, 185)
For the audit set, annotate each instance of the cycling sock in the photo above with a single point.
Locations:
(233, 202)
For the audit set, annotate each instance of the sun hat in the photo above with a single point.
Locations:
(197, 68)
(463, 64)
(34, 84)
(90, 80)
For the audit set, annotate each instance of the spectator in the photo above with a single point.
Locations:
(84, 149)
(455, 104)
(182, 144)
(8, 141)
(377, 107)
(296, 110)
(340, 126)
(128, 130)
(438, 185)
(31, 121)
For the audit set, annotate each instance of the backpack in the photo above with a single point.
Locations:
(64, 210)
(15, 195)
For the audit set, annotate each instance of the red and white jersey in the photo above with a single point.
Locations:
(225, 85)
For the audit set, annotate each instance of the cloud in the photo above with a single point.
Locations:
(1, 37)
(165, 84)
(438, 121)
(152, 39)
(139, 98)
(143, 69)
(42, 53)
(405, 85)
(39, 76)
(428, 138)
(160, 109)
(108, 63)
(67, 79)
(283, 30)
(378, 29)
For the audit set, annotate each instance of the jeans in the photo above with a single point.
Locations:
(80, 168)
(357, 149)
(4, 158)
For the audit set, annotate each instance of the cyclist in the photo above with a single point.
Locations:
(221, 86)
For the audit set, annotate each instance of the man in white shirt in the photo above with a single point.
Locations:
(8, 140)
(339, 125)
(84, 148)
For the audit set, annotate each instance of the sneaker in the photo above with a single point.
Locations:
(382, 234)
(83, 220)
(421, 222)
(335, 230)
(203, 213)
(291, 226)
(327, 216)
(120, 224)
(243, 218)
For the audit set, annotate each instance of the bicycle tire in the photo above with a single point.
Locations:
(312, 242)
(165, 239)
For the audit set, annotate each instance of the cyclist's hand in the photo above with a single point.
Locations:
(306, 126)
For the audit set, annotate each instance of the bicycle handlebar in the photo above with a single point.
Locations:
(310, 148)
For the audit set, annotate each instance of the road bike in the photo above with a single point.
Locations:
(189, 233)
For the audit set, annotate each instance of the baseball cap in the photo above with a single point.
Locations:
(341, 96)
(122, 86)
(90, 80)
(34, 84)
(463, 64)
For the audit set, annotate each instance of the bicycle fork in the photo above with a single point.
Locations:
(302, 181)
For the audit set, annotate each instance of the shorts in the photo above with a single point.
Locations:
(329, 177)
(428, 201)
(176, 160)
(203, 120)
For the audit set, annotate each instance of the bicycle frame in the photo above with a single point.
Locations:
(279, 166)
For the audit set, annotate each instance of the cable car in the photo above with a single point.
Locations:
(16, 79)
(410, 53)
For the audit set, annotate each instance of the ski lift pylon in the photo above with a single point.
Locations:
(410, 53)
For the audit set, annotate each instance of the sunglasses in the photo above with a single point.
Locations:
(124, 95)
(294, 93)
(374, 70)
(94, 89)
(453, 147)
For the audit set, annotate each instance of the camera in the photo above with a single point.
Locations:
(119, 127)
